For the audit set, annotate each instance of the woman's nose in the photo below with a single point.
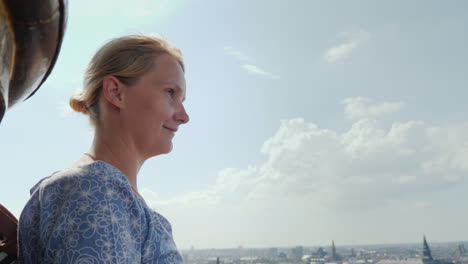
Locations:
(182, 116)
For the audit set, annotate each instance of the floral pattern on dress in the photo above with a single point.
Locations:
(90, 214)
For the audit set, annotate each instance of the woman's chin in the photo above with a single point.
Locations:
(162, 150)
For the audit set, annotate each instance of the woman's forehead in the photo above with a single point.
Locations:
(167, 69)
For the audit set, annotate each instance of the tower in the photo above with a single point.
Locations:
(427, 256)
(334, 255)
(462, 249)
(333, 249)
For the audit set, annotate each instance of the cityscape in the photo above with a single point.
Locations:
(423, 253)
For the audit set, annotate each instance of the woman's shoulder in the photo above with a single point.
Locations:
(96, 187)
(95, 174)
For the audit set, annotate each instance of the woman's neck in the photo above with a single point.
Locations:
(113, 149)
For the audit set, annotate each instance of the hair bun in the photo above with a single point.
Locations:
(78, 105)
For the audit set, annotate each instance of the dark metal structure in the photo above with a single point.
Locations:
(427, 256)
(31, 34)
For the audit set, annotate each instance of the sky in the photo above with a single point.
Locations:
(310, 121)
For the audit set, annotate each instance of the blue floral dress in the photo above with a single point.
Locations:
(90, 214)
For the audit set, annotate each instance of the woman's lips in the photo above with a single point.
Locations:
(170, 129)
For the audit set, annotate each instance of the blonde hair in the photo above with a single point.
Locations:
(127, 58)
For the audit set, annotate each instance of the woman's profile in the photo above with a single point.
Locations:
(92, 212)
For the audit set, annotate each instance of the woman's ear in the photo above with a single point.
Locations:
(112, 90)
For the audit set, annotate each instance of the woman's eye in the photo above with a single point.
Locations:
(170, 91)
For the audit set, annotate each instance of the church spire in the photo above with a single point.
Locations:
(334, 256)
(426, 250)
(333, 250)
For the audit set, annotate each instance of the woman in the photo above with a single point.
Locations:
(92, 212)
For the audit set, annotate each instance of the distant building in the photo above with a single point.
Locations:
(461, 254)
(427, 255)
(318, 257)
(215, 261)
(334, 256)
(282, 256)
(273, 253)
(297, 252)
(401, 261)
(461, 251)
(320, 253)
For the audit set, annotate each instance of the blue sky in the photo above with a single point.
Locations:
(310, 120)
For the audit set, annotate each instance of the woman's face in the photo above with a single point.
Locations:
(153, 108)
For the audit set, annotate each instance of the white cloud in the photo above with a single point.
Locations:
(311, 171)
(255, 70)
(344, 169)
(351, 40)
(363, 108)
(237, 53)
(249, 68)
(230, 181)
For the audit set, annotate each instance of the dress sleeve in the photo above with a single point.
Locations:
(159, 247)
(89, 220)
(169, 252)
